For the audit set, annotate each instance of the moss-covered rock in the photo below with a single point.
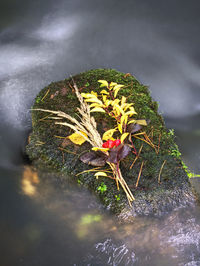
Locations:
(48, 148)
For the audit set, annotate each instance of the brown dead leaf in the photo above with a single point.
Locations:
(65, 143)
(127, 75)
(64, 91)
(54, 95)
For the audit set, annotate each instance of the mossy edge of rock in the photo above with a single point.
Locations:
(151, 198)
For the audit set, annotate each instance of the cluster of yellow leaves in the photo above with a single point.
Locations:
(117, 108)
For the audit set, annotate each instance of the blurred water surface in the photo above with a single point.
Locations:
(44, 222)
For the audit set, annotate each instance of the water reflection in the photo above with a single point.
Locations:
(29, 181)
(68, 221)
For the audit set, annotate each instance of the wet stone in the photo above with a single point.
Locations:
(49, 148)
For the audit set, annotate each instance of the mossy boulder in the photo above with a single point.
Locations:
(49, 148)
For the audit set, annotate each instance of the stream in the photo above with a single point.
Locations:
(45, 221)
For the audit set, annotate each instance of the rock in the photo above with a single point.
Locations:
(46, 148)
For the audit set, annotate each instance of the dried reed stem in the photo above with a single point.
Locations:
(161, 171)
(136, 156)
(138, 179)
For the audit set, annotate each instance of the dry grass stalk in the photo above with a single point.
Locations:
(158, 144)
(161, 171)
(65, 150)
(136, 156)
(119, 178)
(45, 95)
(138, 179)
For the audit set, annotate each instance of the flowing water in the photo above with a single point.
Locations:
(45, 221)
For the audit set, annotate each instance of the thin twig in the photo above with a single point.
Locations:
(138, 179)
(41, 119)
(62, 149)
(45, 95)
(38, 143)
(148, 139)
(136, 156)
(89, 170)
(161, 171)
(158, 144)
(144, 141)
(59, 137)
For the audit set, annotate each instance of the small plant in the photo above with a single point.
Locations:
(79, 182)
(102, 188)
(117, 197)
(171, 132)
(87, 84)
(188, 172)
(38, 99)
(175, 152)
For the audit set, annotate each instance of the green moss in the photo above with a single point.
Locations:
(62, 97)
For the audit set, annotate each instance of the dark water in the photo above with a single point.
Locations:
(43, 221)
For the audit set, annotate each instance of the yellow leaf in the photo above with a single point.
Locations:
(88, 95)
(104, 98)
(118, 109)
(130, 113)
(104, 83)
(94, 100)
(99, 149)
(107, 103)
(100, 174)
(123, 100)
(78, 138)
(116, 101)
(97, 109)
(118, 86)
(116, 89)
(127, 106)
(116, 92)
(120, 128)
(108, 134)
(94, 93)
(112, 84)
(123, 136)
(94, 105)
(132, 121)
(104, 92)
(142, 122)
(124, 119)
